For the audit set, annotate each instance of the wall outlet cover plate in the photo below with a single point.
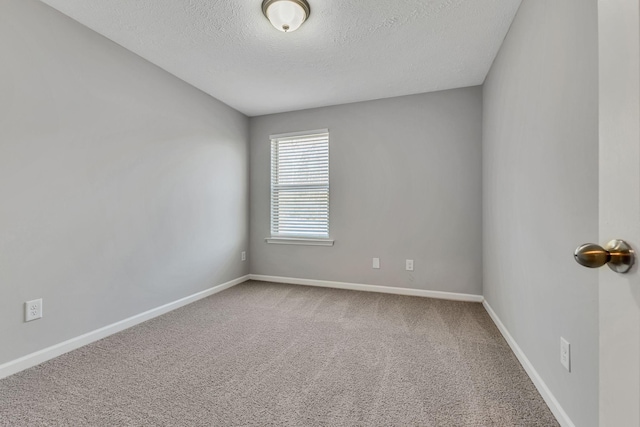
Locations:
(565, 354)
(409, 265)
(32, 310)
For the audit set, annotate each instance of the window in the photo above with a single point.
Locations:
(300, 188)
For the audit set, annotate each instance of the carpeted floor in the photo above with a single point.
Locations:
(284, 355)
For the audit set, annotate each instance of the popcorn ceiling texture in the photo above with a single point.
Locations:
(265, 354)
(347, 51)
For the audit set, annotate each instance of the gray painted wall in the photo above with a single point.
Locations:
(405, 176)
(121, 187)
(540, 163)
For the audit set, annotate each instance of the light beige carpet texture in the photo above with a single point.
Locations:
(265, 354)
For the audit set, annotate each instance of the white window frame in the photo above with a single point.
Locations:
(290, 237)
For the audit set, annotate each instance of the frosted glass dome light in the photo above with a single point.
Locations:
(286, 15)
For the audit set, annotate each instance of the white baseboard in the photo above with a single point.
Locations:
(370, 288)
(48, 353)
(544, 391)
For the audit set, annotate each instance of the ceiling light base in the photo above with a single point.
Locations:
(280, 20)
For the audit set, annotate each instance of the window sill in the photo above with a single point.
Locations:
(299, 241)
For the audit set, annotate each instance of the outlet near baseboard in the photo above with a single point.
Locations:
(32, 310)
(565, 354)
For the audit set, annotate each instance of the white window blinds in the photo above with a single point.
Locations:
(300, 185)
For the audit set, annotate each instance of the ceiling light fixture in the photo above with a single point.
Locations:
(286, 15)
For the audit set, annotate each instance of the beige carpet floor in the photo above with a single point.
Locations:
(264, 354)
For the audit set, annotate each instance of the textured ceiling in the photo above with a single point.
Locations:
(348, 50)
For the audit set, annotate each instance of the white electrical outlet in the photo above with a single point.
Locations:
(376, 263)
(243, 256)
(409, 265)
(565, 354)
(32, 310)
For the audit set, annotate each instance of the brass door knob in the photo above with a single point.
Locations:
(617, 254)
